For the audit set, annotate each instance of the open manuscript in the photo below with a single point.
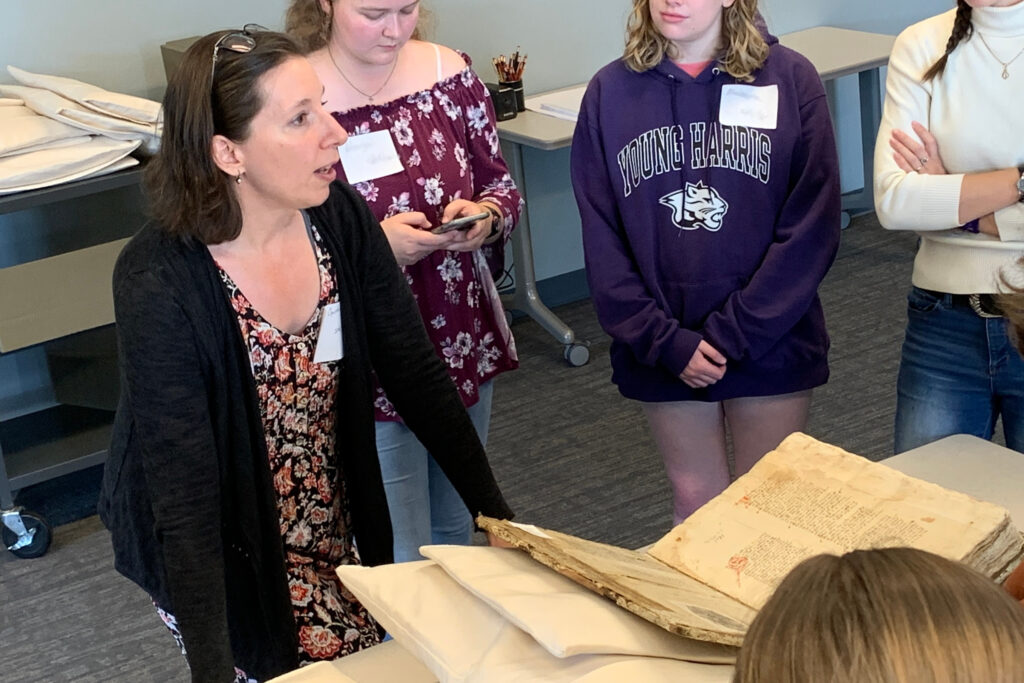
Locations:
(707, 578)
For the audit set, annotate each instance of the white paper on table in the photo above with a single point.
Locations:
(562, 104)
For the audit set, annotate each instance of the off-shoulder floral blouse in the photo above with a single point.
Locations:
(448, 144)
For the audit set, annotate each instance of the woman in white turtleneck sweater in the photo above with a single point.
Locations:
(949, 164)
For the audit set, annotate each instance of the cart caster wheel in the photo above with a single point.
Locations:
(30, 536)
(576, 354)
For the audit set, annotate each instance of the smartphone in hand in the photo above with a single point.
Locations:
(461, 223)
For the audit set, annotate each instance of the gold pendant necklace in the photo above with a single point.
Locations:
(368, 95)
(1006, 65)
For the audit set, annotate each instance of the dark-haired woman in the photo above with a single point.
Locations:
(949, 164)
(242, 468)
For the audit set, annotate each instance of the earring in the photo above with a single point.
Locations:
(238, 178)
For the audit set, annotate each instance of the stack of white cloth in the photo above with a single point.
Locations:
(54, 130)
(475, 614)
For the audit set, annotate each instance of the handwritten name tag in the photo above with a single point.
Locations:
(369, 156)
(329, 345)
(749, 105)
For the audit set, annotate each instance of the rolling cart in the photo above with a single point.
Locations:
(59, 299)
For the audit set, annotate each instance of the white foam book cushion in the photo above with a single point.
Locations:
(319, 672)
(462, 640)
(23, 130)
(440, 623)
(48, 167)
(652, 670)
(50, 104)
(564, 617)
(117, 104)
(516, 656)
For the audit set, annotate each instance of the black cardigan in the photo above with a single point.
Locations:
(187, 491)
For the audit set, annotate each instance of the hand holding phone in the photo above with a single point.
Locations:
(461, 223)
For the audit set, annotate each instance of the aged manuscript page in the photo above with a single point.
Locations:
(806, 498)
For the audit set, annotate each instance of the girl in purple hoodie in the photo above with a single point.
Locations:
(705, 170)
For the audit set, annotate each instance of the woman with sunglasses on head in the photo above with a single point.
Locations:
(242, 467)
(710, 211)
(420, 108)
(949, 164)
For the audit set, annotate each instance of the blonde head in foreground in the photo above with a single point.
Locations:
(894, 615)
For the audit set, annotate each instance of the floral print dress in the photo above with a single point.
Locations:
(447, 141)
(297, 404)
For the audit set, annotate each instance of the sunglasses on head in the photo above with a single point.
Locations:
(237, 41)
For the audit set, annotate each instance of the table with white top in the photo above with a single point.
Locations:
(837, 52)
(834, 52)
(543, 132)
(963, 463)
(971, 465)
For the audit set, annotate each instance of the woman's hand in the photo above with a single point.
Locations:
(917, 156)
(1015, 583)
(706, 367)
(472, 239)
(923, 157)
(496, 542)
(410, 237)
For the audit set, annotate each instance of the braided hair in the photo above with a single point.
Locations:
(962, 30)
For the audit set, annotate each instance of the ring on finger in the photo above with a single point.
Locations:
(923, 160)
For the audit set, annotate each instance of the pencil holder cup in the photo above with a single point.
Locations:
(517, 88)
(504, 101)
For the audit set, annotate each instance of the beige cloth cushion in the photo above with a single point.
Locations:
(54, 106)
(54, 166)
(318, 672)
(23, 130)
(563, 616)
(123, 106)
(462, 640)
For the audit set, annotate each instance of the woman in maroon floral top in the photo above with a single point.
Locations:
(430, 154)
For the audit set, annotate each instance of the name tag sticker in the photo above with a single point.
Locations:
(749, 105)
(369, 156)
(329, 345)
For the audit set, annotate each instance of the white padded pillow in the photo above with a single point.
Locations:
(117, 104)
(53, 166)
(563, 616)
(318, 672)
(462, 640)
(23, 130)
(653, 670)
(439, 622)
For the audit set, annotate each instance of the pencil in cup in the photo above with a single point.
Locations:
(510, 74)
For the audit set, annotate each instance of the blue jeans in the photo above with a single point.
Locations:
(959, 372)
(424, 506)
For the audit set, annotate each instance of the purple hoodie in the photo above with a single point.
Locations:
(697, 230)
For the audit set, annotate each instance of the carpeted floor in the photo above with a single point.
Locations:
(569, 452)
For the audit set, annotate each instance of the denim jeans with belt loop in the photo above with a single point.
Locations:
(959, 372)
(425, 508)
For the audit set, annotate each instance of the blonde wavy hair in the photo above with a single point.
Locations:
(742, 53)
(307, 23)
(892, 615)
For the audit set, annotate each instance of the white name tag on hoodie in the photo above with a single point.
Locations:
(749, 105)
(369, 156)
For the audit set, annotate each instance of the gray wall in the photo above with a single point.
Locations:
(115, 44)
